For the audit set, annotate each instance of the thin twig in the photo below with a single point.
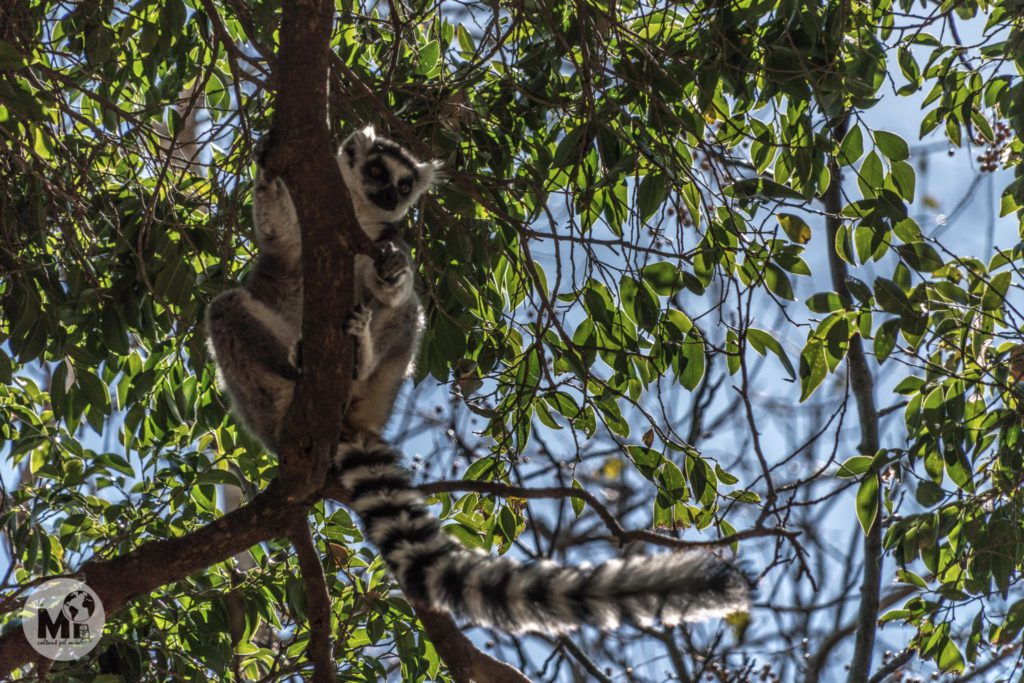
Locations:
(621, 534)
(582, 657)
(894, 664)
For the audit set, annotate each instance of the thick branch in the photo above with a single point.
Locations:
(318, 599)
(863, 386)
(465, 662)
(269, 515)
(301, 153)
(823, 656)
(118, 580)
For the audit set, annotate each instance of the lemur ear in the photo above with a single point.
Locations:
(367, 134)
(358, 142)
(430, 172)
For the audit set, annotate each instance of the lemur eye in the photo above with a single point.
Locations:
(404, 187)
(376, 171)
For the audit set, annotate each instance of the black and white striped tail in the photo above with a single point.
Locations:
(523, 596)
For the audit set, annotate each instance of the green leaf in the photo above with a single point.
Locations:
(867, 502)
(664, 278)
(813, 368)
(795, 228)
(646, 307)
(176, 282)
(859, 290)
(577, 503)
(825, 302)
(670, 480)
(466, 43)
(760, 187)
(10, 56)
(724, 477)
(428, 57)
(702, 480)
(732, 352)
(598, 303)
(450, 341)
(995, 292)
(613, 416)
(904, 180)
(908, 230)
(692, 360)
(778, 282)
(920, 256)
(651, 194)
(485, 469)
(958, 467)
(890, 297)
(871, 175)
(929, 493)
(174, 14)
(885, 338)
(844, 245)
(950, 659)
(852, 147)
(760, 341)
(893, 146)
(569, 147)
(563, 403)
(855, 466)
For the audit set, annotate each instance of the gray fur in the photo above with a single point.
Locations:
(255, 330)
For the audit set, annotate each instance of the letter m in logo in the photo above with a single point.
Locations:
(48, 626)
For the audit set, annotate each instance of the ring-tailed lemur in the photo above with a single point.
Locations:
(255, 332)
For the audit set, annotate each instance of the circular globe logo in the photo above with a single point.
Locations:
(63, 619)
(79, 606)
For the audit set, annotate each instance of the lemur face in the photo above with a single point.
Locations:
(384, 179)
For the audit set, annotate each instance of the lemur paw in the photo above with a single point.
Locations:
(359, 321)
(392, 265)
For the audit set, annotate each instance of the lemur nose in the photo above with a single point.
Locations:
(386, 198)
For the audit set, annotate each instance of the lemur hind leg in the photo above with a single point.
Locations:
(256, 357)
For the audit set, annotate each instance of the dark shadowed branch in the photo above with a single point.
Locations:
(300, 152)
(465, 662)
(318, 599)
(270, 515)
(863, 385)
(820, 661)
